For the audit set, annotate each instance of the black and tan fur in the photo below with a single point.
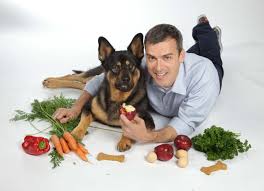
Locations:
(123, 83)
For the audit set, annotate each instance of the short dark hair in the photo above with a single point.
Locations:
(161, 32)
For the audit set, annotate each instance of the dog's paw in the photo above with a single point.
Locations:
(124, 145)
(50, 83)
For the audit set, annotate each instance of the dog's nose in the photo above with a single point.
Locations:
(125, 79)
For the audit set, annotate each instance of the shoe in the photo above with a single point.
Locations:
(202, 19)
(218, 32)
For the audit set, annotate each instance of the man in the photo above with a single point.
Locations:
(182, 86)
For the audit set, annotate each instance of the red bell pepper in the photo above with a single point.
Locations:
(35, 145)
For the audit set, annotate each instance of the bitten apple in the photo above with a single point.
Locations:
(183, 142)
(128, 110)
(164, 152)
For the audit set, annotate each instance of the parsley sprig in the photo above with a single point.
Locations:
(218, 143)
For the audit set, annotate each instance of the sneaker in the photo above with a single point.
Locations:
(202, 19)
(218, 32)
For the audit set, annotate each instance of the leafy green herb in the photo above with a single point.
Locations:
(217, 143)
(56, 159)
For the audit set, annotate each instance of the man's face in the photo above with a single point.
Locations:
(163, 61)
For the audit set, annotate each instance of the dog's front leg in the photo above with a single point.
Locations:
(124, 144)
(83, 125)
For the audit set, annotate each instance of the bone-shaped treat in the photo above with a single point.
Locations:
(103, 156)
(218, 166)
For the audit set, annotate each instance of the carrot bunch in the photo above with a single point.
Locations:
(67, 143)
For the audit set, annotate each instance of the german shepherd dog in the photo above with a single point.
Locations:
(123, 82)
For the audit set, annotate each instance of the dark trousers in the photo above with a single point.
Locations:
(207, 46)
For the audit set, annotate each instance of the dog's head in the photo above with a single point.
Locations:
(122, 67)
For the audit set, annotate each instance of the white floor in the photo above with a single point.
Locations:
(50, 38)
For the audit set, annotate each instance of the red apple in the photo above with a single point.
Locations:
(128, 110)
(164, 152)
(183, 142)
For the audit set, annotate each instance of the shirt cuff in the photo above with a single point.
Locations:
(180, 126)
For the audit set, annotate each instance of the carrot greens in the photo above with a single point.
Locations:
(43, 111)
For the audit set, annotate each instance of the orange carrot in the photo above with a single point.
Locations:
(70, 140)
(83, 149)
(56, 142)
(81, 154)
(64, 145)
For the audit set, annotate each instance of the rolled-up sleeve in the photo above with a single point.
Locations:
(181, 127)
(93, 85)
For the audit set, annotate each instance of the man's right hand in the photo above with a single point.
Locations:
(64, 114)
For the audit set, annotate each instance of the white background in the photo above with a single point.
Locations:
(39, 39)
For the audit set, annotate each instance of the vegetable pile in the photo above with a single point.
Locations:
(217, 144)
(60, 136)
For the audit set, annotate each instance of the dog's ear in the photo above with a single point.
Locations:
(136, 46)
(105, 49)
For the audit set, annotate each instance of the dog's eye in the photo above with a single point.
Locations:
(131, 67)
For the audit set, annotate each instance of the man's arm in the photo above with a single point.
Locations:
(78, 105)
(90, 90)
(166, 134)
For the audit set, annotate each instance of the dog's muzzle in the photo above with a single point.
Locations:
(124, 84)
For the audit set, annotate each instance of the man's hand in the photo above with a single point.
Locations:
(64, 114)
(135, 129)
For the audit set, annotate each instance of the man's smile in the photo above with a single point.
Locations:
(160, 75)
